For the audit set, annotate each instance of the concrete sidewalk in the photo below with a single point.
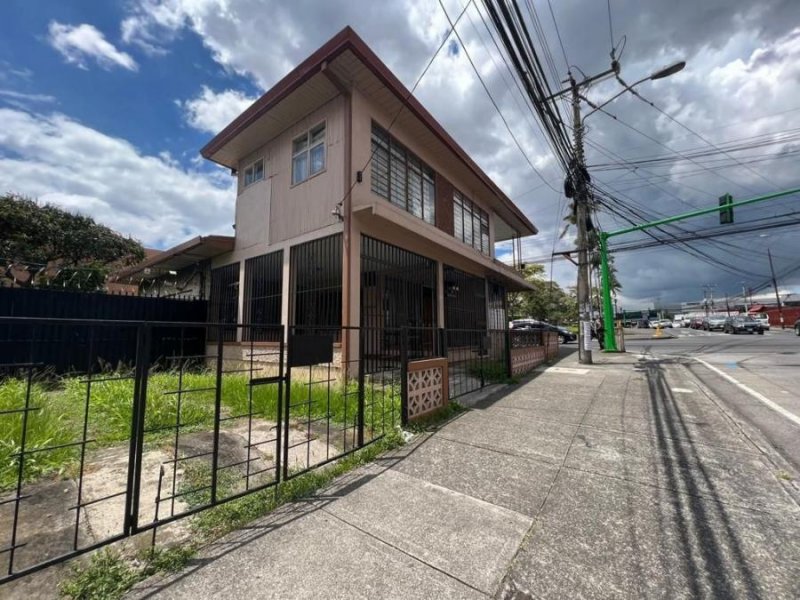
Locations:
(622, 480)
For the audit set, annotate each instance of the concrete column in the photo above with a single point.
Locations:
(239, 330)
(286, 289)
(439, 294)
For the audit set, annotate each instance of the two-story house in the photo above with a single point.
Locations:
(354, 208)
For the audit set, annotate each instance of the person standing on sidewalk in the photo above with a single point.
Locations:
(600, 332)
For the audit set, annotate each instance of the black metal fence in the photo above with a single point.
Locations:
(63, 347)
(113, 450)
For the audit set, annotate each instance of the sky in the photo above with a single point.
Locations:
(104, 107)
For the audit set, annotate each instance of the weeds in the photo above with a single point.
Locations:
(221, 519)
(494, 371)
(436, 419)
(109, 575)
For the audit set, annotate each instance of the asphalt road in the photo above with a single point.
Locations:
(766, 373)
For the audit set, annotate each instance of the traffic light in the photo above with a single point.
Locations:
(725, 210)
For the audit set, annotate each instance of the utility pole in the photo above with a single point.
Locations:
(775, 286)
(581, 214)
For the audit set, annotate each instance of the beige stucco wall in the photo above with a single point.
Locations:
(273, 210)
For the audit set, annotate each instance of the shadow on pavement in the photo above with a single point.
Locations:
(693, 510)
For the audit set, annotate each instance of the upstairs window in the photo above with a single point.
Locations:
(254, 172)
(401, 177)
(308, 154)
(470, 223)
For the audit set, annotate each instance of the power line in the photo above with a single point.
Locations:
(690, 130)
(491, 98)
(558, 34)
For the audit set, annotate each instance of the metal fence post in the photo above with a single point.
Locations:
(217, 411)
(404, 376)
(507, 338)
(143, 342)
(360, 387)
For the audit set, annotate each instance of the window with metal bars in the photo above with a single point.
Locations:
(223, 304)
(316, 275)
(401, 177)
(263, 284)
(470, 223)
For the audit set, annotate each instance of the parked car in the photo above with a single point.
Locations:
(714, 323)
(696, 323)
(762, 318)
(797, 327)
(641, 324)
(564, 334)
(656, 323)
(741, 324)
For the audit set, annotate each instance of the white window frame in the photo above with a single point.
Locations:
(307, 152)
(250, 167)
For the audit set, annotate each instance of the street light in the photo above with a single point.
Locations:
(581, 201)
(660, 74)
(667, 71)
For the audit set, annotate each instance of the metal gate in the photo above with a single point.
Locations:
(94, 451)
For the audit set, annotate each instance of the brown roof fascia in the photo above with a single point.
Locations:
(348, 39)
(175, 251)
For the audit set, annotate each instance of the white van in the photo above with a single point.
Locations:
(763, 319)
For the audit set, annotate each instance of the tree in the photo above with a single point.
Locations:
(546, 302)
(58, 248)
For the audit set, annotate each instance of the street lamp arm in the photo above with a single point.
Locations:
(626, 88)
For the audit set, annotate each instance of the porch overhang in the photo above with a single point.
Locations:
(392, 225)
(178, 257)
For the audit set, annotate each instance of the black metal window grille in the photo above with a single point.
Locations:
(470, 223)
(263, 286)
(401, 177)
(398, 290)
(497, 306)
(316, 276)
(464, 303)
(223, 306)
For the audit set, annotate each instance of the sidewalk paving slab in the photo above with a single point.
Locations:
(468, 538)
(304, 553)
(511, 432)
(513, 482)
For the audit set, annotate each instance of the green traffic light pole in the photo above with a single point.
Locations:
(608, 313)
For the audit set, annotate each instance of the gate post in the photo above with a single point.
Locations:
(507, 339)
(404, 376)
(217, 411)
(360, 417)
(141, 370)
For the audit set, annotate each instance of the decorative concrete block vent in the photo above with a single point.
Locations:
(427, 387)
(525, 360)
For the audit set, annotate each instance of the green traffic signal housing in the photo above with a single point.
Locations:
(725, 209)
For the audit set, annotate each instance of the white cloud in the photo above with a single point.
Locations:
(59, 160)
(26, 97)
(77, 43)
(211, 111)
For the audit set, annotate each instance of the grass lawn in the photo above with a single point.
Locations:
(61, 412)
